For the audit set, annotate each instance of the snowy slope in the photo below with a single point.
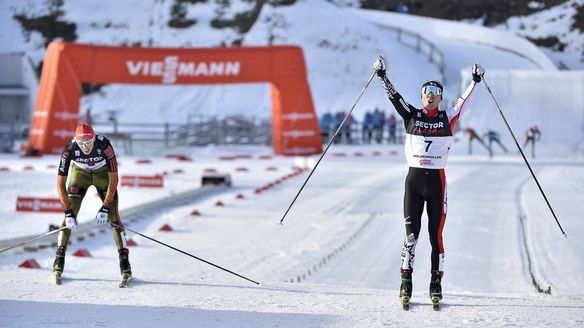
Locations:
(556, 22)
(557, 30)
(341, 52)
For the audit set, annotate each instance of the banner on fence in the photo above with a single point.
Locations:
(156, 181)
(34, 204)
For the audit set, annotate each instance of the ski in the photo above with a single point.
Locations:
(436, 303)
(405, 300)
(436, 289)
(405, 290)
(125, 279)
(57, 278)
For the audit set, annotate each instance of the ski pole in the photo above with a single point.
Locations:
(33, 239)
(327, 147)
(183, 252)
(524, 158)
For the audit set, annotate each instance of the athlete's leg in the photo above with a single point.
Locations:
(413, 208)
(101, 181)
(502, 146)
(437, 208)
(79, 181)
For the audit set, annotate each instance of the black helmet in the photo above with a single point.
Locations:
(435, 84)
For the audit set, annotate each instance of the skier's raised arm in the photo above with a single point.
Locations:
(403, 108)
(456, 112)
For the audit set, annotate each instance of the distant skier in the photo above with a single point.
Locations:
(326, 125)
(532, 135)
(473, 135)
(493, 136)
(427, 142)
(367, 128)
(94, 164)
(392, 125)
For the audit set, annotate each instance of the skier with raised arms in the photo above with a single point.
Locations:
(428, 139)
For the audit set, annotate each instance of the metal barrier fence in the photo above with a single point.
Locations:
(231, 130)
(422, 45)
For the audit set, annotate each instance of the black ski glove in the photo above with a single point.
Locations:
(379, 66)
(477, 72)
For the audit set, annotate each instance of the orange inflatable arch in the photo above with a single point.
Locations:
(67, 65)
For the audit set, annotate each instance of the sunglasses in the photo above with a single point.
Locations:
(85, 143)
(431, 89)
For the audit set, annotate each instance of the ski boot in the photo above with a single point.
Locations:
(125, 267)
(405, 291)
(59, 264)
(436, 289)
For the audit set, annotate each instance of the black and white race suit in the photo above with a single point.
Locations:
(427, 143)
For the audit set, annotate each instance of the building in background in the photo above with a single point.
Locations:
(18, 89)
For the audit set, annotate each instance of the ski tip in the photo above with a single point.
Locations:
(57, 278)
(125, 279)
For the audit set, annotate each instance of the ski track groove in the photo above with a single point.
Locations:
(530, 265)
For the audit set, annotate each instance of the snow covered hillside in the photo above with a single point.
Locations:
(559, 31)
(341, 52)
(555, 26)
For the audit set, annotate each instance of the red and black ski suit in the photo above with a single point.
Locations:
(428, 140)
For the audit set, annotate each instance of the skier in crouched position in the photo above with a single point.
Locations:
(94, 163)
(428, 140)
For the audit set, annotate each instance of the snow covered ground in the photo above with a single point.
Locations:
(334, 262)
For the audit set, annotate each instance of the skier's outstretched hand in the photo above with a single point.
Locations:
(70, 220)
(379, 66)
(102, 215)
(477, 72)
